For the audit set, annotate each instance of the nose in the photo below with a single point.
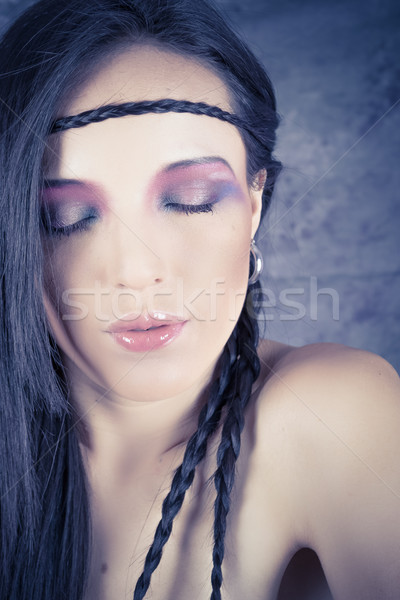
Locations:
(137, 262)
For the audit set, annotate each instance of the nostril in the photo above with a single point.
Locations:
(127, 286)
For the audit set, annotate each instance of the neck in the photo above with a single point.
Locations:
(143, 431)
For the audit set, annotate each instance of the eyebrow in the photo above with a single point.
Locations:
(48, 183)
(204, 160)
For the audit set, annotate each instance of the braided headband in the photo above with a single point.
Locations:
(112, 111)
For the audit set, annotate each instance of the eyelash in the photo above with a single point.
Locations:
(85, 224)
(82, 225)
(189, 209)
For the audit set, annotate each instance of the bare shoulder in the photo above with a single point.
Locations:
(332, 416)
(322, 356)
(330, 402)
(330, 394)
(327, 377)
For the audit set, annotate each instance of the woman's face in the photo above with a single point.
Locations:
(151, 219)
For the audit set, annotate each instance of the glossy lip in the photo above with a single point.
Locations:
(146, 332)
(143, 322)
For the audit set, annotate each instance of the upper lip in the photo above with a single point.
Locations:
(142, 322)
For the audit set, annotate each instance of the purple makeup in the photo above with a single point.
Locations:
(69, 205)
(188, 187)
(195, 186)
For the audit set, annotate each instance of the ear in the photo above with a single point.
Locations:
(256, 192)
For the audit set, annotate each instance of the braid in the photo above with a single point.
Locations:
(195, 451)
(239, 369)
(246, 372)
(112, 111)
(233, 388)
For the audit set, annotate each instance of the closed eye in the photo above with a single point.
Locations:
(65, 222)
(82, 225)
(189, 199)
(189, 209)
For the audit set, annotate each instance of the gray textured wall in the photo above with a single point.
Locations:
(335, 222)
(331, 240)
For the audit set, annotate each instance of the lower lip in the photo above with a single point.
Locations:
(151, 339)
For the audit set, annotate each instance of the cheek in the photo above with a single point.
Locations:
(217, 267)
(67, 279)
(221, 247)
(205, 252)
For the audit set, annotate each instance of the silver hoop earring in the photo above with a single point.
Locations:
(258, 263)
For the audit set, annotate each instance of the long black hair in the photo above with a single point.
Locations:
(44, 508)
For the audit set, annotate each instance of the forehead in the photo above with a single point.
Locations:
(150, 141)
(146, 72)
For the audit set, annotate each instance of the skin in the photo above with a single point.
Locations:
(316, 466)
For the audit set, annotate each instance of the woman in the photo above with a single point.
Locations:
(136, 145)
